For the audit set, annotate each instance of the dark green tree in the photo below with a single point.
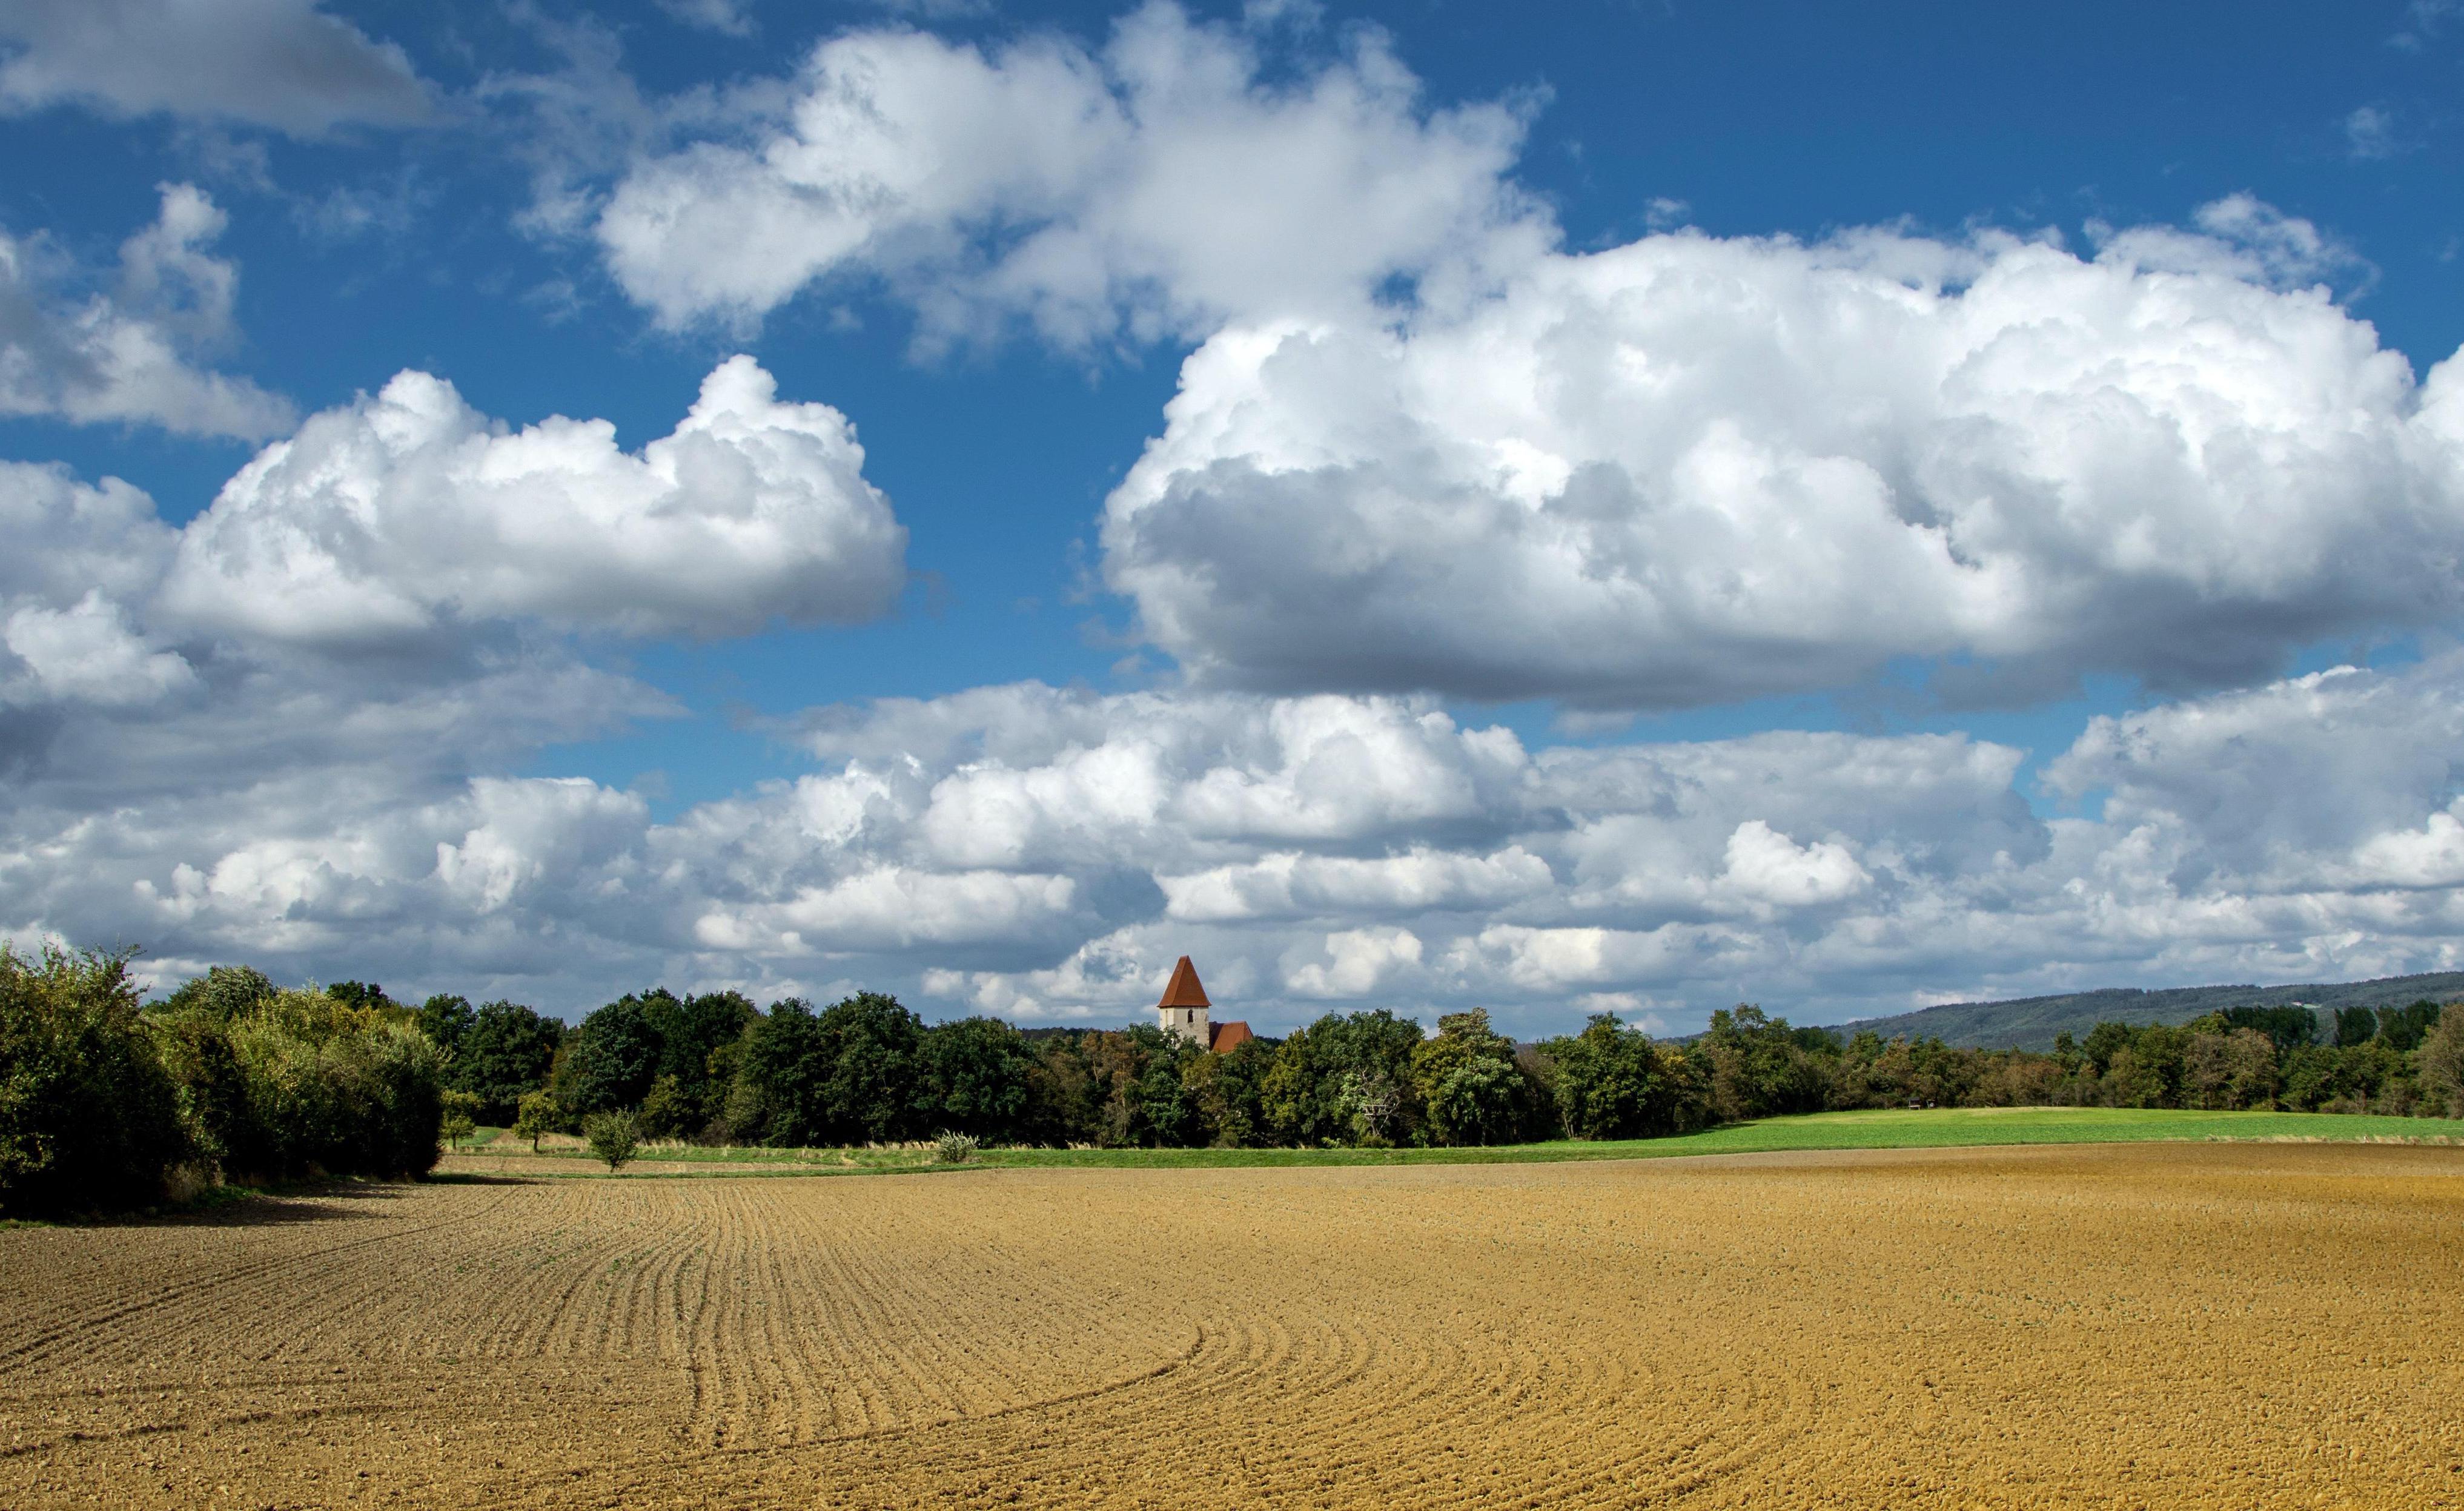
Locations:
(2288, 1028)
(369, 994)
(846, 1075)
(2401, 1028)
(1612, 1081)
(974, 1074)
(693, 1032)
(443, 1018)
(1324, 1077)
(505, 1053)
(609, 1060)
(1230, 1092)
(1470, 1088)
(1759, 1066)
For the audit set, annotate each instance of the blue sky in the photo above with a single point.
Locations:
(1642, 507)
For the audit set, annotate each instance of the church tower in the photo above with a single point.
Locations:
(1184, 1006)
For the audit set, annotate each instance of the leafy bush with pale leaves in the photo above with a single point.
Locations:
(612, 1136)
(88, 1118)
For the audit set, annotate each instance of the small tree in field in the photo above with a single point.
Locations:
(612, 1136)
(460, 1120)
(534, 1117)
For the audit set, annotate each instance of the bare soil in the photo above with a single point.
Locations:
(2148, 1326)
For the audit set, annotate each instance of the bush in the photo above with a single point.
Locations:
(612, 1136)
(306, 1083)
(88, 1118)
(955, 1149)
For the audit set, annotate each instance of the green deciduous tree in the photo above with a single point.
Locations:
(2438, 1065)
(609, 1058)
(1326, 1076)
(1759, 1066)
(846, 1075)
(536, 1117)
(974, 1077)
(1470, 1088)
(504, 1054)
(443, 1018)
(1612, 1081)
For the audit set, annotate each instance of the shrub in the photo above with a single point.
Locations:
(612, 1136)
(304, 1084)
(88, 1118)
(955, 1149)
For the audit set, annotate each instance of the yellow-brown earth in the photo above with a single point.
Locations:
(2143, 1326)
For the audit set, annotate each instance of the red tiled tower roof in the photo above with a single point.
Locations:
(1183, 990)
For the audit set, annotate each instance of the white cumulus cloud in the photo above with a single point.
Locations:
(1158, 185)
(1694, 468)
(401, 511)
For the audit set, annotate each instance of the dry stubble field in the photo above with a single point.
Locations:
(2152, 1324)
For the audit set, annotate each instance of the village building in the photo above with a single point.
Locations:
(1184, 1011)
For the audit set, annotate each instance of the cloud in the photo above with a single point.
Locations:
(1174, 180)
(1047, 853)
(1768, 866)
(1694, 469)
(2370, 134)
(726, 18)
(127, 353)
(280, 63)
(407, 510)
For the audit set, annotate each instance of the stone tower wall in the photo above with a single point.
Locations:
(1189, 1023)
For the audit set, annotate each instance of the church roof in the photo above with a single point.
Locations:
(1183, 990)
(1224, 1038)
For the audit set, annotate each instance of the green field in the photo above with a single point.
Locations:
(1896, 1128)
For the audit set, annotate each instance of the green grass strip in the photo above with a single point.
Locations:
(1945, 1128)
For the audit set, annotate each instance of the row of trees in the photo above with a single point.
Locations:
(2407, 1060)
(106, 1104)
(867, 1069)
(104, 1100)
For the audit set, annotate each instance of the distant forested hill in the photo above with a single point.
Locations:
(2030, 1023)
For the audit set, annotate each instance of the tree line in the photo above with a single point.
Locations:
(106, 1101)
(866, 1069)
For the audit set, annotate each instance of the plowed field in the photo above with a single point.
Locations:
(2145, 1325)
